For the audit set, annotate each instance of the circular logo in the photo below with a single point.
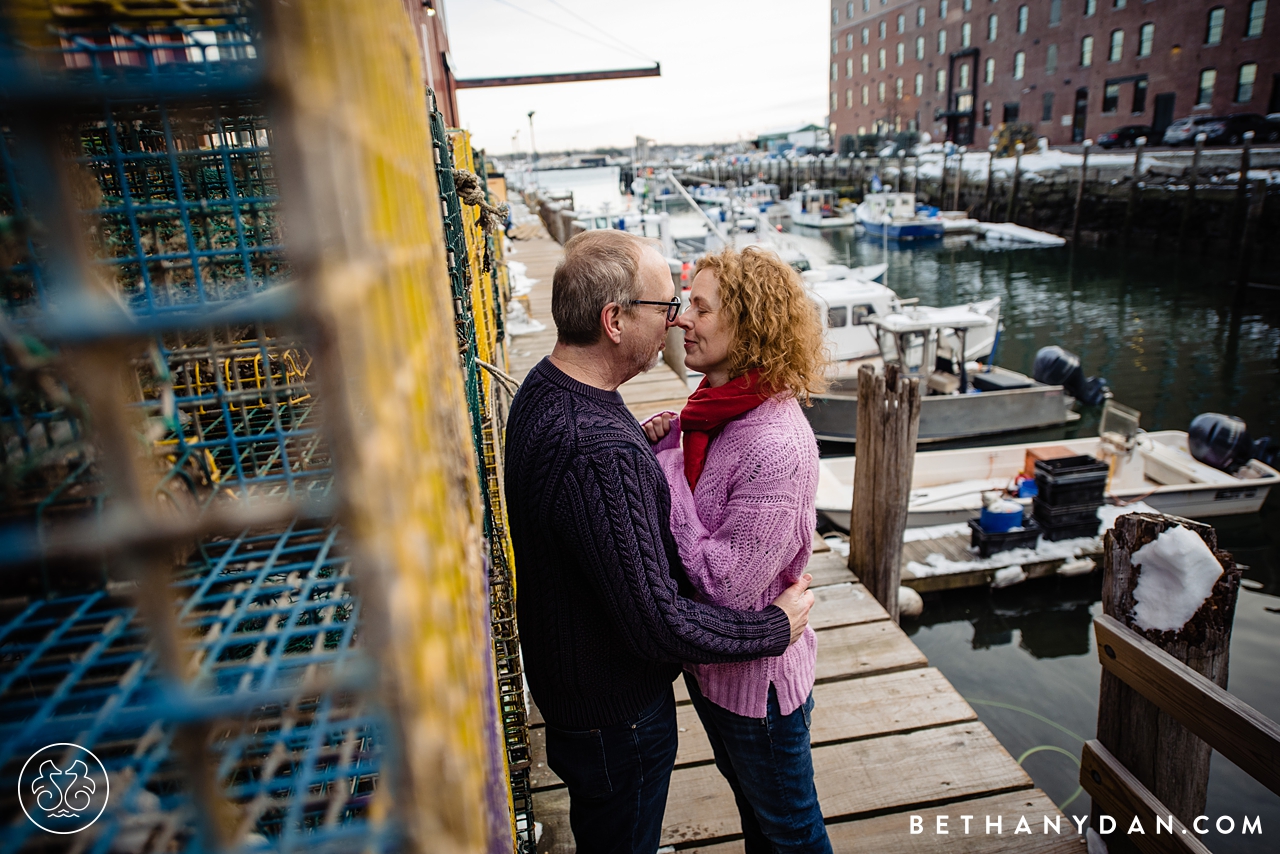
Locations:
(63, 788)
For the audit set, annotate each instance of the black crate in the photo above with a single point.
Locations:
(1067, 468)
(1051, 516)
(989, 544)
(1069, 532)
(1071, 481)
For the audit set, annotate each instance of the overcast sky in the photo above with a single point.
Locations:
(730, 69)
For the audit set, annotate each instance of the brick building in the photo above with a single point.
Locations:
(1069, 68)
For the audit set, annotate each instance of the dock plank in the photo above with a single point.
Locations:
(843, 604)
(842, 711)
(887, 773)
(891, 834)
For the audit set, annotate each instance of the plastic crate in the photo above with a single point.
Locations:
(1067, 481)
(1070, 532)
(989, 544)
(1050, 516)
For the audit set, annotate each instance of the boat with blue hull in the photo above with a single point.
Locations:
(894, 215)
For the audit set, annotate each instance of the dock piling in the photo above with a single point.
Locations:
(986, 193)
(1013, 189)
(1084, 172)
(1135, 189)
(1242, 192)
(1194, 178)
(942, 184)
(888, 422)
(1165, 757)
(955, 206)
(1257, 200)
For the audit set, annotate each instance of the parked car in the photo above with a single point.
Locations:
(1219, 130)
(1125, 137)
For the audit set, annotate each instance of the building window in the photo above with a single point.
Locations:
(1090, 6)
(920, 17)
(1244, 82)
(866, 5)
(866, 64)
(1055, 12)
(989, 75)
(835, 16)
(919, 84)
(942, 8)
(941, 80)
(833, 102)
(901, 53)
(848, 41)
(902, 23)
(848, 67)
(1120, 4)
(1213, 35)
(1146, 37)
(1022, 19)
(1117, 46)
(866, 96)
(1011, 111)
(848, 98)
(866, 35)
(1204, 94)
(1140, 97)
(1019, 65)
(1046, 110)
(942, 41)
(964, 103)
(991, 28)
(1051, 59)
(1257, 11)
(966, 34)
(919, 47)
(835, 72)
(986, 114)
(880, 59)
(882, 30)
(1110, 97)
(967, 5)
(964, 77)
(1086, 51)
(897, 88)
(835, 46)
(880, 91)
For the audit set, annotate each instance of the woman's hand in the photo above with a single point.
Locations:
(657, 427)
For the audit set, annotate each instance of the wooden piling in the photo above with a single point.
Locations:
(915, 175)
(955, 206)
(1135, 189)
(1084, 173)
(888, 422)
(986, 193)
(1192, 180)
(1242, 193)
(1253, 214)
(942, 184)
(902, 164)
(1164, 756)
(1013, 189)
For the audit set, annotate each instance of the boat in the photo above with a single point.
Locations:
(817, 209)
(953, 222)
(894, 215)
(1008, 232)
(1156, 468)
(962, 397)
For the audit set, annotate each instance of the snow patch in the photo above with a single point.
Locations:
(1177, 574)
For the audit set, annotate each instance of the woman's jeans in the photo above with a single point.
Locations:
(618, 778)
(769, 766)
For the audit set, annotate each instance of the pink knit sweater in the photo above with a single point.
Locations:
(745, 534)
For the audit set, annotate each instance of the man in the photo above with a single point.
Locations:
(605, 609)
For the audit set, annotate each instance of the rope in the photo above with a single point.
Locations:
(508, 383)
(472, 192)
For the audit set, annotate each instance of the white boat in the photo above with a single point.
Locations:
(894, 215)
(817, 209)
(1008, 232)
(1156, 468)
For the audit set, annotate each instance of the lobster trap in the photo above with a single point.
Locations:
(243, 534)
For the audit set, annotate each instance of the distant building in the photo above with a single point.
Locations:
(1069, 68)
(810, 137)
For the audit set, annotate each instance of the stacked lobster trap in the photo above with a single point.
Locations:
(250, 507)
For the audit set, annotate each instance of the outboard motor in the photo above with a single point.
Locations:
(1056, 366)
(1223, 441)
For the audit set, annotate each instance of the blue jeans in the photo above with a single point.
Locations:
(618, 778)
(769, 766)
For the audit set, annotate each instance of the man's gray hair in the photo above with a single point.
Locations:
(599, 267)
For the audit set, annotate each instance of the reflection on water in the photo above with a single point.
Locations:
(1172, 343)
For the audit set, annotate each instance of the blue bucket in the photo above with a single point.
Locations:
(1006, 517)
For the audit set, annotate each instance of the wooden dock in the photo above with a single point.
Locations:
(891, 737)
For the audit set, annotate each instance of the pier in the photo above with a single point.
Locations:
(891, 737)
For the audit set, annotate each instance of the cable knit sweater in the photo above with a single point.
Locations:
(745, 534)
(605, 610)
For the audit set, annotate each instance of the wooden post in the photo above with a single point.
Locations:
(986, 193)
(955, 206)
(862, 172)
(915, 174)
(1165, 757)
(1253, 214)
(1135, 189)
(888, 421)
(902, 165)
(1013, 190)
(1242, 192)
(942, 185)
(1084, 172)
(1192, 180)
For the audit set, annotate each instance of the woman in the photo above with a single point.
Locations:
(742, 464)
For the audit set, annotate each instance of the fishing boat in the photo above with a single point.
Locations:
(894, 215)
(817, 209)
(941, 346)
(1156, 468)
(1008, 232)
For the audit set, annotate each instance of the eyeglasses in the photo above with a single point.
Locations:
(673, 306)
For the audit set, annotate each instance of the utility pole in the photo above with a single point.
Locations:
(533, 146)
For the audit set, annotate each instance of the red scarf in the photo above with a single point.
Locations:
(709, 410)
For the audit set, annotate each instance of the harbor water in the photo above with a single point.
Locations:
(1172, 341)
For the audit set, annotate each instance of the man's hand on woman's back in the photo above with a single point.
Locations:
(795, 602)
